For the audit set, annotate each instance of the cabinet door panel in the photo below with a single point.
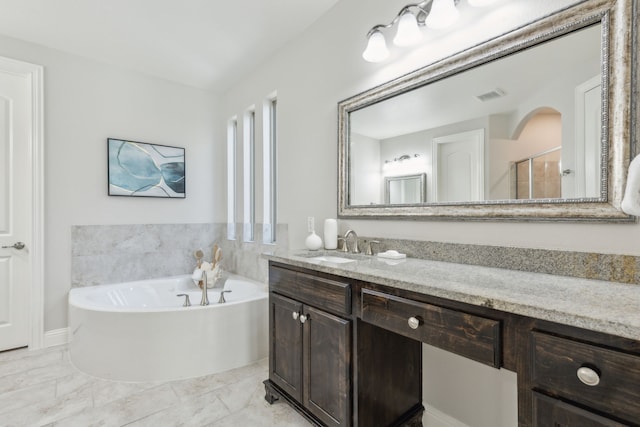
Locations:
(285, 356)
(327, 343)
(551, 412)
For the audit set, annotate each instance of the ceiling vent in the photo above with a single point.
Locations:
(496, 93)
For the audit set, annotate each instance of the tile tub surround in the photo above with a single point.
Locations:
(102, 254)
(608, 267)
(42, 388)
(596, 305)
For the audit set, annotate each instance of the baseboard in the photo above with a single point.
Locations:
(435, 418)
(56, 337)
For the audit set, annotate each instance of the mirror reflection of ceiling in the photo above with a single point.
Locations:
(454, 99)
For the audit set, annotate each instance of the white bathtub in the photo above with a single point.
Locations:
(139, 331)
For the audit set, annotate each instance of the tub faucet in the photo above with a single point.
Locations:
(354, 248)
(205, 296)
(197, 276)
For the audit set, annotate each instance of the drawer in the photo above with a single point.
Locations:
(553, 412)
(328, 294)
(468, 335)
(555, 366)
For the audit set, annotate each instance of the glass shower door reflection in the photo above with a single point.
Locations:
(540, 176)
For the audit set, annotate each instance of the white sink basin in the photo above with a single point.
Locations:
(332, 259)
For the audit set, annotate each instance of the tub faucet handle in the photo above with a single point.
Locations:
(222, 300)
(187, 303)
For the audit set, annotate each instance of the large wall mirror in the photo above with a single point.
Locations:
(537, 124)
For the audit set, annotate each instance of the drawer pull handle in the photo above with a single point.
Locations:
(414, 322)
(295, 315)
(588, 376)
(303, 318)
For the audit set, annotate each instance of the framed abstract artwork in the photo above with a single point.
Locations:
(145, 170)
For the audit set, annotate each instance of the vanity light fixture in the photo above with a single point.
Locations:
(402, 158)
(405, 164)
(430, 13)
(435, 14)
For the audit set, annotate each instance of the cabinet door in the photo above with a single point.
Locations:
(327, 367)
(551, 412)
(285, 351)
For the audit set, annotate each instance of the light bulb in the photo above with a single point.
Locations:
(376, 50)
(443, 13)
(408, 32)
(481, 3)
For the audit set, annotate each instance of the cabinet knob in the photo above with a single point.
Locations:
(588, 376)
(303, 318)
(295, 315)
(414, 322)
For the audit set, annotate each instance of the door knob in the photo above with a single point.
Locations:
(16, 245)
(303, 318)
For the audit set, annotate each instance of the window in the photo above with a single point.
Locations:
(232, 137)
(269, 170)
(249, 138)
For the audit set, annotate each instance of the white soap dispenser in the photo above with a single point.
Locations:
(313, 242)
(330, 233)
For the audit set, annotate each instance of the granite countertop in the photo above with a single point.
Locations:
(609, 307)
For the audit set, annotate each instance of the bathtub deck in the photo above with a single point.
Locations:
(41, 388)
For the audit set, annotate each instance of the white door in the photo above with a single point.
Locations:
(458, 167)
(588, 105)
(15, 212)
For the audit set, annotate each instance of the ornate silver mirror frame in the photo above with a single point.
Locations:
(620, 127)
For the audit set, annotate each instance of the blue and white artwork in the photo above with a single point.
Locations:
(145, 170)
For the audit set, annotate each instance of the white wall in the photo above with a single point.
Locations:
(324, 66)
(85, 103)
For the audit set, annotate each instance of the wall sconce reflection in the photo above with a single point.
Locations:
(404, 164)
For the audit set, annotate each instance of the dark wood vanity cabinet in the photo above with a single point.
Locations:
(311, 360)
(345, 352)
(313, 365)
(310, 353)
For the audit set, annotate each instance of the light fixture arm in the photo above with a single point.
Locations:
(424, 8)
(420, 6)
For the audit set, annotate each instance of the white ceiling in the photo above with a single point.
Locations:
(201, 43)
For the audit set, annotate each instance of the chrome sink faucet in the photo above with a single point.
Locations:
(354, 248)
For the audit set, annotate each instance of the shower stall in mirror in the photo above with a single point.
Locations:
(539, 176)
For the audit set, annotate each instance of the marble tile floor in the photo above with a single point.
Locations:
(42, 388)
